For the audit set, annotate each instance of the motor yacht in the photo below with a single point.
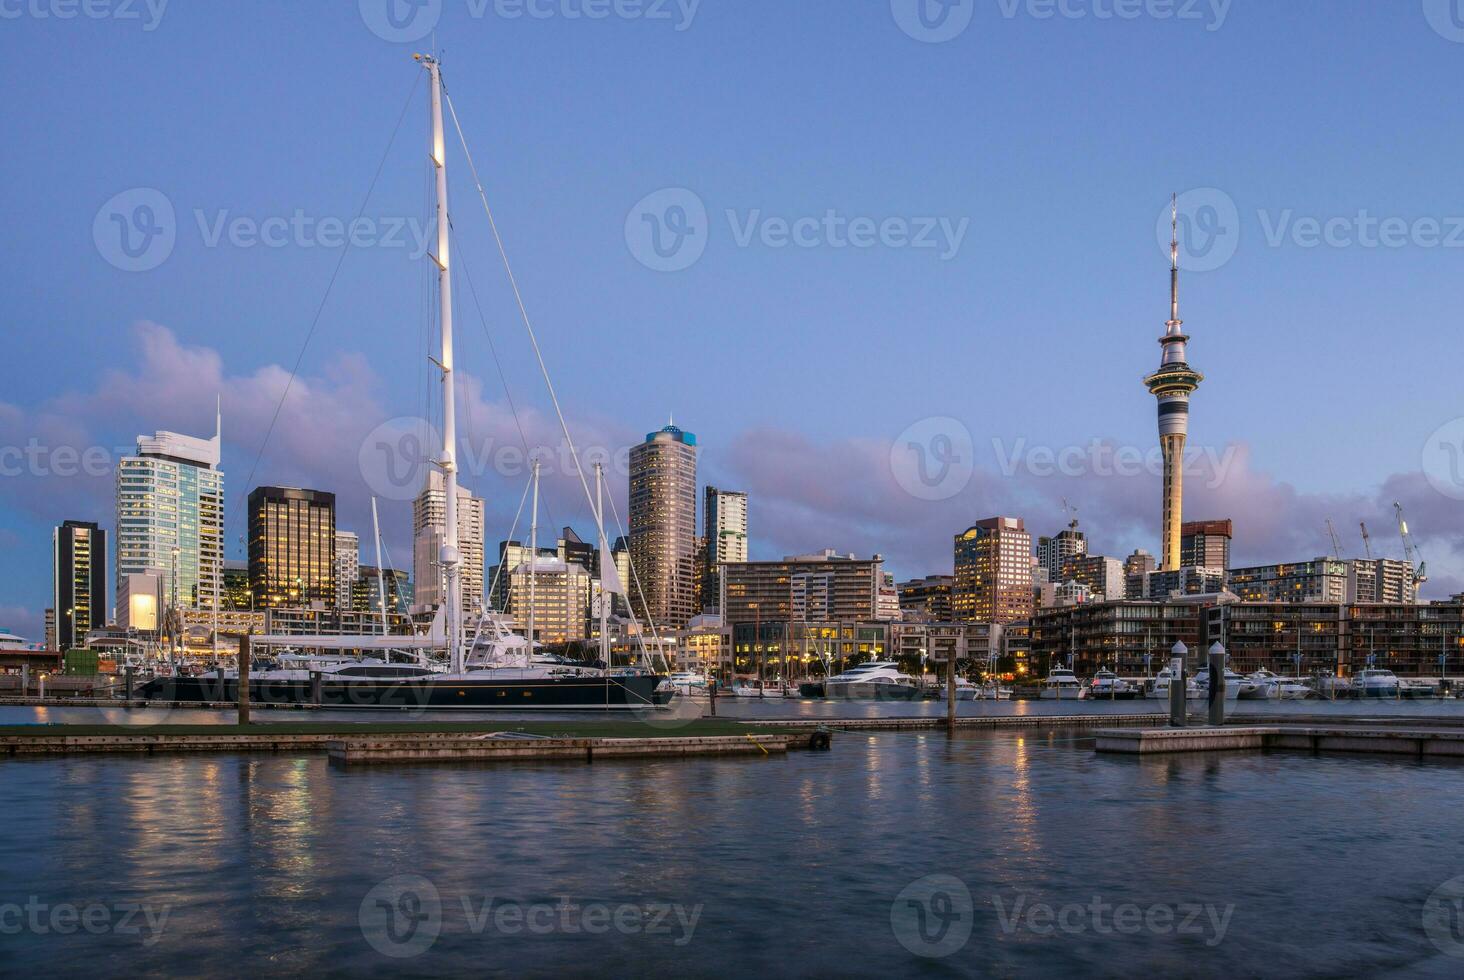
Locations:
(1061, 685)
(1159, 689)
(877, 681)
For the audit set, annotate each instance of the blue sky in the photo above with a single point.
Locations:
(1051, 143)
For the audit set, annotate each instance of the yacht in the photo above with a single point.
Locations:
(763, 689)
(1106, 685)
(1159, 690)
(1418, 687)
(1234, 683)
(993, 690)
(877, 681)
(1332, 686)
(689, 684)
(1264, 685)
(1374, 682)
(965, 691)
(1061, 685)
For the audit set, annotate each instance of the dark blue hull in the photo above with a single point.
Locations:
(427, 693)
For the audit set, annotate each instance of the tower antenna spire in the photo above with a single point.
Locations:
(1174, 321)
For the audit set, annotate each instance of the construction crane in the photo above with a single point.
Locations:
(1336, 545)
(1069, 509)
(1416, 563)
(1366, 541)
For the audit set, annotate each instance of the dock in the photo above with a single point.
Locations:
(981, 722)
(1390, 738)
(417, 742)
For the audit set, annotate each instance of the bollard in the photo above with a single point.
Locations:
(712, 693)
(243, 684)
(951, 693)
(1217, 685)
(315, 688)
(1177, 684)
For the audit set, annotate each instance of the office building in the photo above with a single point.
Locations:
(78, 582)
(1103, 577)
(559, 599)
(928, 599)
(1206, 544)
(170, 516)
(1055, 552)
(292, 546)
(724, 523)
(1135, 567)
(367, 589)
(347, 567)
(663, 528)
(429, 521)
(993, 561)
(1178, 582)
(821, 588)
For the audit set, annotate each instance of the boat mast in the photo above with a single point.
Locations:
(380, 574)
(533, 560)
(452, 601)
(604, 557)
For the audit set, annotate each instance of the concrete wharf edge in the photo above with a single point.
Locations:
(1413, 742)
(990, 722)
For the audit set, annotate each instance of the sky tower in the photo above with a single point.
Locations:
(1172, 385)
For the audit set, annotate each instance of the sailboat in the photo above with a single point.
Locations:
(497, 670)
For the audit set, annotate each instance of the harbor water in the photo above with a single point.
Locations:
(1006, 853)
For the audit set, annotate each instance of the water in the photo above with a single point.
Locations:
(1291, 865)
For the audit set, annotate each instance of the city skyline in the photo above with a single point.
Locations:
(230, 318)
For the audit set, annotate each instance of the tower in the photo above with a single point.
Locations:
(663, 528)
(1172, 385)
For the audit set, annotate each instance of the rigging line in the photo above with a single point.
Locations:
(523, 310)
(315, 322)
(635, 577)
(503, 559)
(497, 361)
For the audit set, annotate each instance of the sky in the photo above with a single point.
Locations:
(900, 264)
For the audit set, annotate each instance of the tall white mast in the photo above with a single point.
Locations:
(380, 573)
(533, 558)
(604, 557)
(452, 602)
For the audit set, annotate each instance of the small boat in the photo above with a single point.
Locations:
(881, 680)
(1332, 686)
(1264, 685)
(993, 691)
(1108, 686)
(965, 691)
(1061, 685)
(1159, 689)
(1375, 682)
(1413, 688)
(689, 684)
(763, 689)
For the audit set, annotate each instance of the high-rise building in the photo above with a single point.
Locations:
(78, 581)
(1206, 543)
(1318, 580)
(347, 567)
(927, 599)
(1172, 386)
(292, 546)
(1055, 552)
(170, 516)
(1135, 567)
(993, 562)
(366, 593)
(1102, 576)
(560, 599)
(724, 525)
(429, 521)
(663, 528)
(1381, 580)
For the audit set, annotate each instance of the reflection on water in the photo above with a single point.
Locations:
(263, 862)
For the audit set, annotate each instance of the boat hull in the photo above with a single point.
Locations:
(871, 692)
(430, 694)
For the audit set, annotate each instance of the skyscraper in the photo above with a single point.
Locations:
(724, 525)
(292, 546)
(78, 581)
(993, 572)
(170, 516)
(1053, 553)
(1205, 544)
(1172, 385)
(663, 528)
(347, 567)
(429, 519)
